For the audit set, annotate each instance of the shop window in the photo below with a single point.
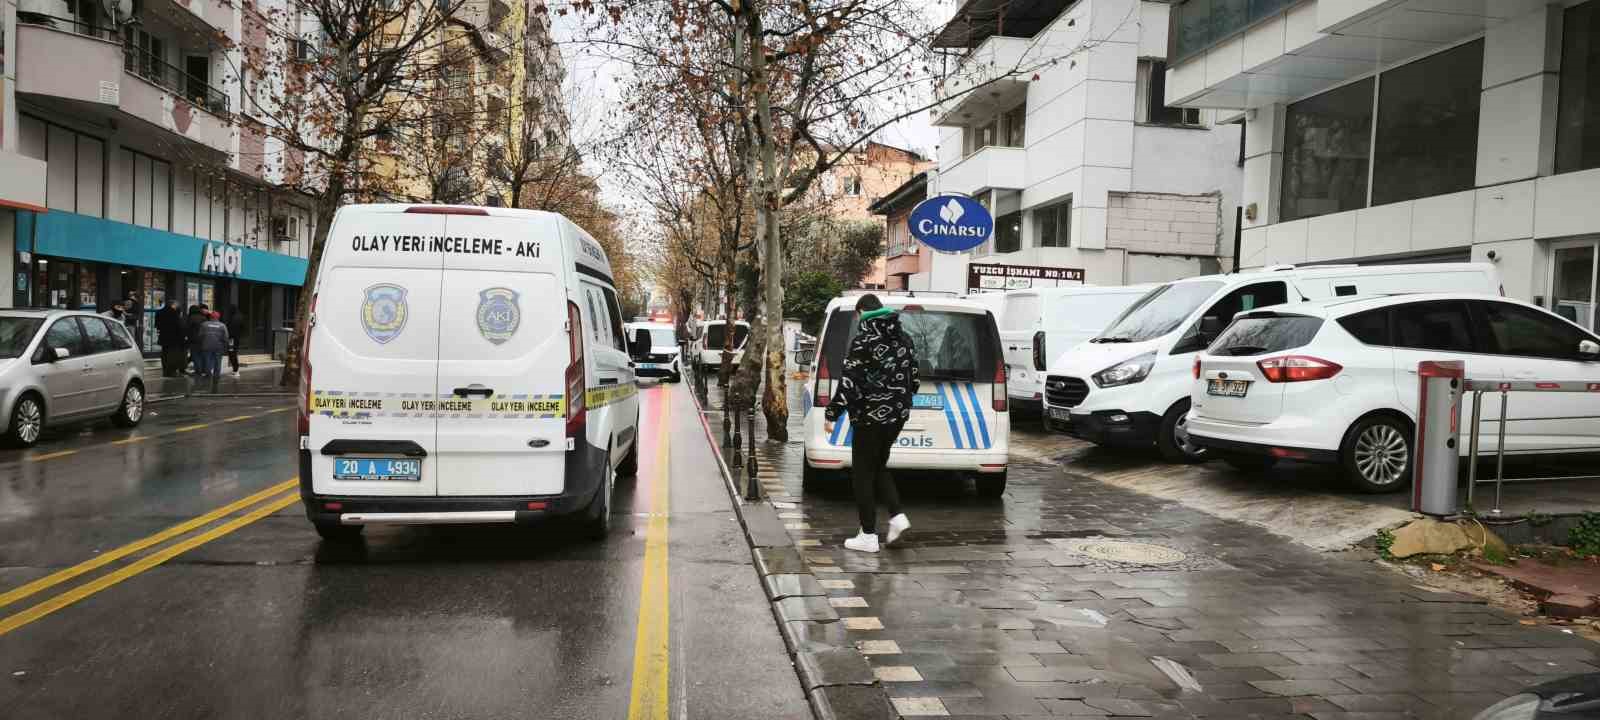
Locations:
(1326, 146)
(1427, 137)
(1578, 113)
(1052, 225)
(1151, 98)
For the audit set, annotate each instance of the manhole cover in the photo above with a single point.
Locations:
(1124, 552)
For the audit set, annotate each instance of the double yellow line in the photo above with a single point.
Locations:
(265, 502)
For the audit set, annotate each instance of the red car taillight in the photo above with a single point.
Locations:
(824, 391)
(1197, 367)
(304, 421)
(1297, 368)
(997, 392)
(576, 384)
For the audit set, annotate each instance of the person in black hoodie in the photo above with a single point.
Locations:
(235, 323)
(879, 380)
(172, 334)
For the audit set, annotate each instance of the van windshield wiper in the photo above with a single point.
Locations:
(1117, 339)
(1244, 350)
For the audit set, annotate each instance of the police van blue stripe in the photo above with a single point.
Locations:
(983, 426)
(949, 415)
(966, 420)
(850, 436)
(838, 427)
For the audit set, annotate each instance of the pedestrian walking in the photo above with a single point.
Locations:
(235, 325)
(213, 341)
(170, 333)
(118, 312)
(880, 378)
(191, 330)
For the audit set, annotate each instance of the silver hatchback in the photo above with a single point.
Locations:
(60, 366)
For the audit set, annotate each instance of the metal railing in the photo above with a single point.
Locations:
(72, 25)
(1477, 388)
(145, 64)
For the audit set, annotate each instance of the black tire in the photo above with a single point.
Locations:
(1172, 439)
(27, 421)
(1377, 454)
(991, 485)
(341, 534)
(629, 467)
(675, 378)
(131, 410)
(1250, 463)
(597, 517)
(814, 480)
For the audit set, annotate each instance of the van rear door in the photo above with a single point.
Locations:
(1019, 321)
(374, 356)
(503, 355)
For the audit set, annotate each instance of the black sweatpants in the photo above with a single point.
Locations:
(869, 452)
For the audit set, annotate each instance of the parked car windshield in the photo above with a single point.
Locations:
(715, 337)
(1261, 334)
(1159, 312)
(660, 337)
(16, 333)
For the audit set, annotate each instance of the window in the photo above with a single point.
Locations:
(1575, 281)
(1249, 297)
(1008, 233)
(1439, 325)
(1578, 111)
(1016, 126)
(1370, 327)
(1151, 101)
(1427, 137)
(75, 174)
(1326, 145)
(852, 185)
(97, 336)
(1052, 224)
(119, 335)
(1159, 312)
(303, 51)
(615, 312)
(63, 334)
(1519, 330)
(1259, 335)
(1198, 25)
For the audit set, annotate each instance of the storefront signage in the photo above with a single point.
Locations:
(1018, 277)
(222, 259)
(951, 223)
(81, 237)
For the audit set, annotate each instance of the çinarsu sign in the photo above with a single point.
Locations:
(951, 223)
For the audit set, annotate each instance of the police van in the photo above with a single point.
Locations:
(463, 365)
(959, 417)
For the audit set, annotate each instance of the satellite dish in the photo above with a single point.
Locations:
(119, 9)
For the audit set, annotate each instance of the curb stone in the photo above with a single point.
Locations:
(838, 682)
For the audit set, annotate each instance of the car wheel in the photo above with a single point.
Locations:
(1172, 438)
(629, 467)
(131, 411)
(675, 378)
(991, 486)
(1250, 463)
(814, 480)
(27, 421)
(339, 533)
(1376, 454)
(597, 520)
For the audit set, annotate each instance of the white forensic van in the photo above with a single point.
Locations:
(959, 417)
(710, 340)
(1131, 384)
(1035, 323)
(463, 365)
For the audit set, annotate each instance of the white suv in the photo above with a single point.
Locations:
(1336, 381)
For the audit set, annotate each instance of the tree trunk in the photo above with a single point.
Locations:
(326, 205)
(774, 397)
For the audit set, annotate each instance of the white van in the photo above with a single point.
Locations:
(1131, 384)
(1034, 323)
(710, 340)
(959, 416)
(654, 349)
(463, 365)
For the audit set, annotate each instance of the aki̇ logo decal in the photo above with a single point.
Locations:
(498, 314)
(383, 313)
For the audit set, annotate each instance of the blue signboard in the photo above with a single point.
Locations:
(951, 223)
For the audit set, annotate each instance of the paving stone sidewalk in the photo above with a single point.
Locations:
(1035, 605)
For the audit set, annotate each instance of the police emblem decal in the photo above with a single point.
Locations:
(383, 312)
(498, 314)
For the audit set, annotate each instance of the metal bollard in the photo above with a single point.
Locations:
(1438, 458)
(1500, 455)
(727, 428)
(1475, 430)
(752, 491)
(738, 444)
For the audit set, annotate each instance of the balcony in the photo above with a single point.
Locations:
(988, 81)
(204, 17)
(102, 76)
(990, 168)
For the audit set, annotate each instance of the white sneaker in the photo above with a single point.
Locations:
(863, 542)
(898, 525)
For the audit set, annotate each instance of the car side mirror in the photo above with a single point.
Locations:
(56, 354)
(1211, 326)
(1588, 350)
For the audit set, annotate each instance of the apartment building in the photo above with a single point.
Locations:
(904, 257)
(1053, 116)
(850, 188)
(1410, 130)
(153, 181)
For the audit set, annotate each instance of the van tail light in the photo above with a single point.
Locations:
(997, 392)
(1197, 367)
(824, 391)
(576, 382)
(1297, 368)
(1038, 351)
(304, 414)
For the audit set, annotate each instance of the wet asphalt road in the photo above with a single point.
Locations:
(266, 621)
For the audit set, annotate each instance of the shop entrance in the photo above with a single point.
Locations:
(1575, 281)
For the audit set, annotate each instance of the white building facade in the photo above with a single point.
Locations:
(1389, 130)
(1053, 118)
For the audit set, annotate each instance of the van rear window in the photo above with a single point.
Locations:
(950, 345)
(716, 337)
(1262, 334)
